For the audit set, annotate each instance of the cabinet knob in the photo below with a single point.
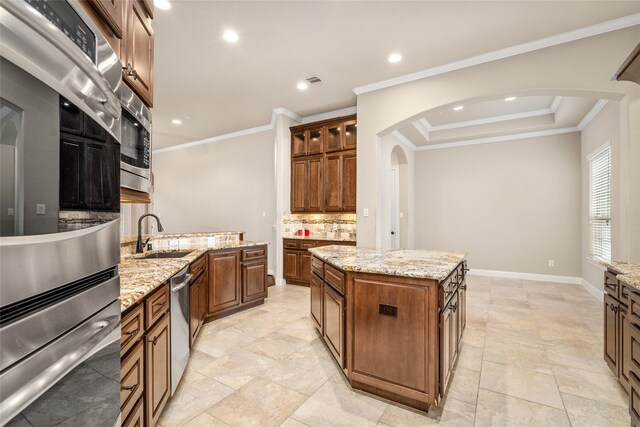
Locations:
(624, 294)
(154, 340)
(463, 287)
(454, 307)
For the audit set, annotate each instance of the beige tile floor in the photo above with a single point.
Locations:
(532, 356)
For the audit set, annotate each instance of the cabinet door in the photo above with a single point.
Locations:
(334, 323)
(332, 183)
(158, 364)
(453, 334)
(194, 311)
(349, 166)
(138, 47)
(462, 312)
(315, 187)
(299, 178)
(136, 417)
(111, 11)
(333, 138)
(254, 281)
(224, 281)
(71, 118)
(315, 141)
(611, 329)
(350, 135)
(304, 263)
(131, 379)
(317, 291)
(445, 348)
(298, 144)
(291, 267)
(203, 298)
(101, 188)
(625, 347)
(71, 173)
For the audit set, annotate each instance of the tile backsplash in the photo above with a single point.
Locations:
(181, 241)
(321, 226)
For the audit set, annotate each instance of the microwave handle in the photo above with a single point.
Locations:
(25, 13)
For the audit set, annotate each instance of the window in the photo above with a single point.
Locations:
(600, 204)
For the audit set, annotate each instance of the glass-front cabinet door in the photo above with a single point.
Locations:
(314, 141)
(350, 135)
(333, 141)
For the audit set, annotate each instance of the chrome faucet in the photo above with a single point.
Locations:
(139, 244)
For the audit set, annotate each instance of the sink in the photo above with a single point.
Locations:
(173, 254)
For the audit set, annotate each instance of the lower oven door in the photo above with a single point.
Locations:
(73, 381)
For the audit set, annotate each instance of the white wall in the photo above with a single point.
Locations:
(582, 67)
(605, 128)
(221, 186)
(512, 205)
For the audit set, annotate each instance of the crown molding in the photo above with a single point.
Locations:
(599, 105)
(276, 111)
(555, 104)
(569, 36)
(404, 140)
(493, 119)
(500, 138)
(422, 128)
(330, 115)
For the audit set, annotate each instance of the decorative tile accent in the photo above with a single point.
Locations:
(182, 241)
(78, 220)
(339, 227)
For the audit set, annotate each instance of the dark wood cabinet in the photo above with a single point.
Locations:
(334, 327)
(446, 319)
(323, 174)
(111, 11)
(317, 304)
(158, 365)
(71, 173)
(254, 280)
(224, 281)
(611, 329)
(138, 48)
(297, 258)
(197, 299)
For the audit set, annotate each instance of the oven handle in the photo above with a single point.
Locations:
(24, 382)
(33, 19)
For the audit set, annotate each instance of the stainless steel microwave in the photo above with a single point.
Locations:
(135, 143)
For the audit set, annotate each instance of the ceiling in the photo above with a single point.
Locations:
(487, 119)
(215, 87)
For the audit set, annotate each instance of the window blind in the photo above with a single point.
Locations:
(600, 205)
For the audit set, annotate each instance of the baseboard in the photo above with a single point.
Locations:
(280, 282)
(592, 290)
(527, 276)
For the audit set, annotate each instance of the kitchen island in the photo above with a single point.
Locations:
(393, 319)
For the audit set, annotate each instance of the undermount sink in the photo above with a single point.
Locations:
(173, 254)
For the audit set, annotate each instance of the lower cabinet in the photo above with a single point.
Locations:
(334, 327)
(611, 330)
(197, 305)
(317, 305)
(297, 258)
(145, 354)
(235, 279)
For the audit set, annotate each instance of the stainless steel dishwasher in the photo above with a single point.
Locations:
(179, 325)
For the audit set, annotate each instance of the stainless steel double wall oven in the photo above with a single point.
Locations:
(60, 134)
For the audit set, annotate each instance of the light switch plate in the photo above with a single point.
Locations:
(10, 211)
(40, 209)
(365, 212)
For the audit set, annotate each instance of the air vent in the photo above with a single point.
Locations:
(313, 80)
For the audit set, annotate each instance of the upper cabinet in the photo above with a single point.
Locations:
(126, 24)
(323, 166)
(630, 69)
(137, 50)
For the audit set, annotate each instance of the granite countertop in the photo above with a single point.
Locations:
(323, 238)
(418, 263)
(628, 273)
(139, 277)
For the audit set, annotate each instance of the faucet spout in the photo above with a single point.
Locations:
(139, 245)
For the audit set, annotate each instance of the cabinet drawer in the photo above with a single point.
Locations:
(291, 244)
(197, 268)
(136, 418)
(634, 398)
(249, 254)
(307, 244)
(611, 284)
(634, 306)
(624, 294)
(131, 329)
(157, 305)
(131, 379)
(334, 277)
(317, 266)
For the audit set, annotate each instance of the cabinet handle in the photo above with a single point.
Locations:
(622, 310)
(131, 388)
(133, 333)
(463, 287)
(454, 307)
(129, 71)
(154, 340)
(624, 295)
(161, 304)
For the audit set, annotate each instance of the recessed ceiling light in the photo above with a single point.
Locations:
(230, 36)
(510, 98)
(176, 121)
(458, 108)
(162, 4)
(302, 86)
(395, 57)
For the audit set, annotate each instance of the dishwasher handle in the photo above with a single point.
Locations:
(180, 280)
(181, 284)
